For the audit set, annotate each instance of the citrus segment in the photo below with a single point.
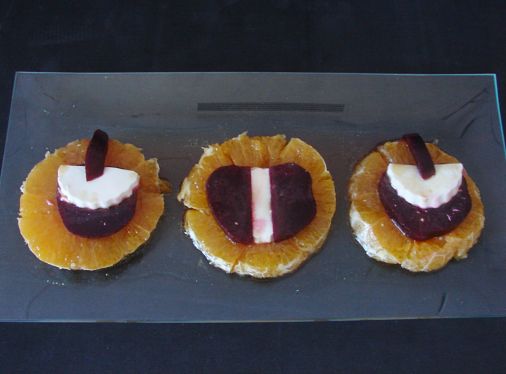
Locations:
(148, 210)
(123, 155)
(193, 188)
(148, 173)
(36, 182)
(75, 152)
(428, 255)
(303, 154)
(390, 237)
(271, 259)
(209, 238)
(370, 169)
(260, 151)
(35, 203)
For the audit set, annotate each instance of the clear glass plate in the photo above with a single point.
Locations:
(172, 115)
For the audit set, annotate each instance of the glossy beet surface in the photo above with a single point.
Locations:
(293, 204)
(421, 155)
(95, 155)
(229, 194)
(422, 224)
(95, 223)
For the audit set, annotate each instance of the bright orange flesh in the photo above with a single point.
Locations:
(43, 230)
(257, 260)
(386, 242)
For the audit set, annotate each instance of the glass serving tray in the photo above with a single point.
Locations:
(173, 115)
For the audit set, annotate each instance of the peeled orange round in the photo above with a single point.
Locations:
(257, 260)
(41, 225)
(380, 237)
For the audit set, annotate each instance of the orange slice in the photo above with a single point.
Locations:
(257, 260)
(41, 225)
(379, 236)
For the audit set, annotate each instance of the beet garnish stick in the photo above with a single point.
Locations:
(421, 155)
(95, 155)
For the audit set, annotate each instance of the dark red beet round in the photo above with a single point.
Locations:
(95, 155)
(229, 194)
(421, 155)
(96, 223)
(292, 201)
(422, 224)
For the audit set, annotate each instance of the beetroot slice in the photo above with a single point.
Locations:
(292, 200)
(96, 223)
(228, 191)
(419, 223)
(95, 155)
(421, 155)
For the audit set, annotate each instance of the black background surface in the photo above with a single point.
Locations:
(334, 36)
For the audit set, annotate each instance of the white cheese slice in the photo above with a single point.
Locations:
(261, 205)
(426, 193)
(109, 189)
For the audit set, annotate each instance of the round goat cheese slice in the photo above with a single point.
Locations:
(426, 193)
(112, 187)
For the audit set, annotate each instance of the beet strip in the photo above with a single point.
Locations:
(95, 155)
(421, 155)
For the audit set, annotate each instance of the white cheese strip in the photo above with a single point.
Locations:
(109, 189)
(261, 205)
(426, 193)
